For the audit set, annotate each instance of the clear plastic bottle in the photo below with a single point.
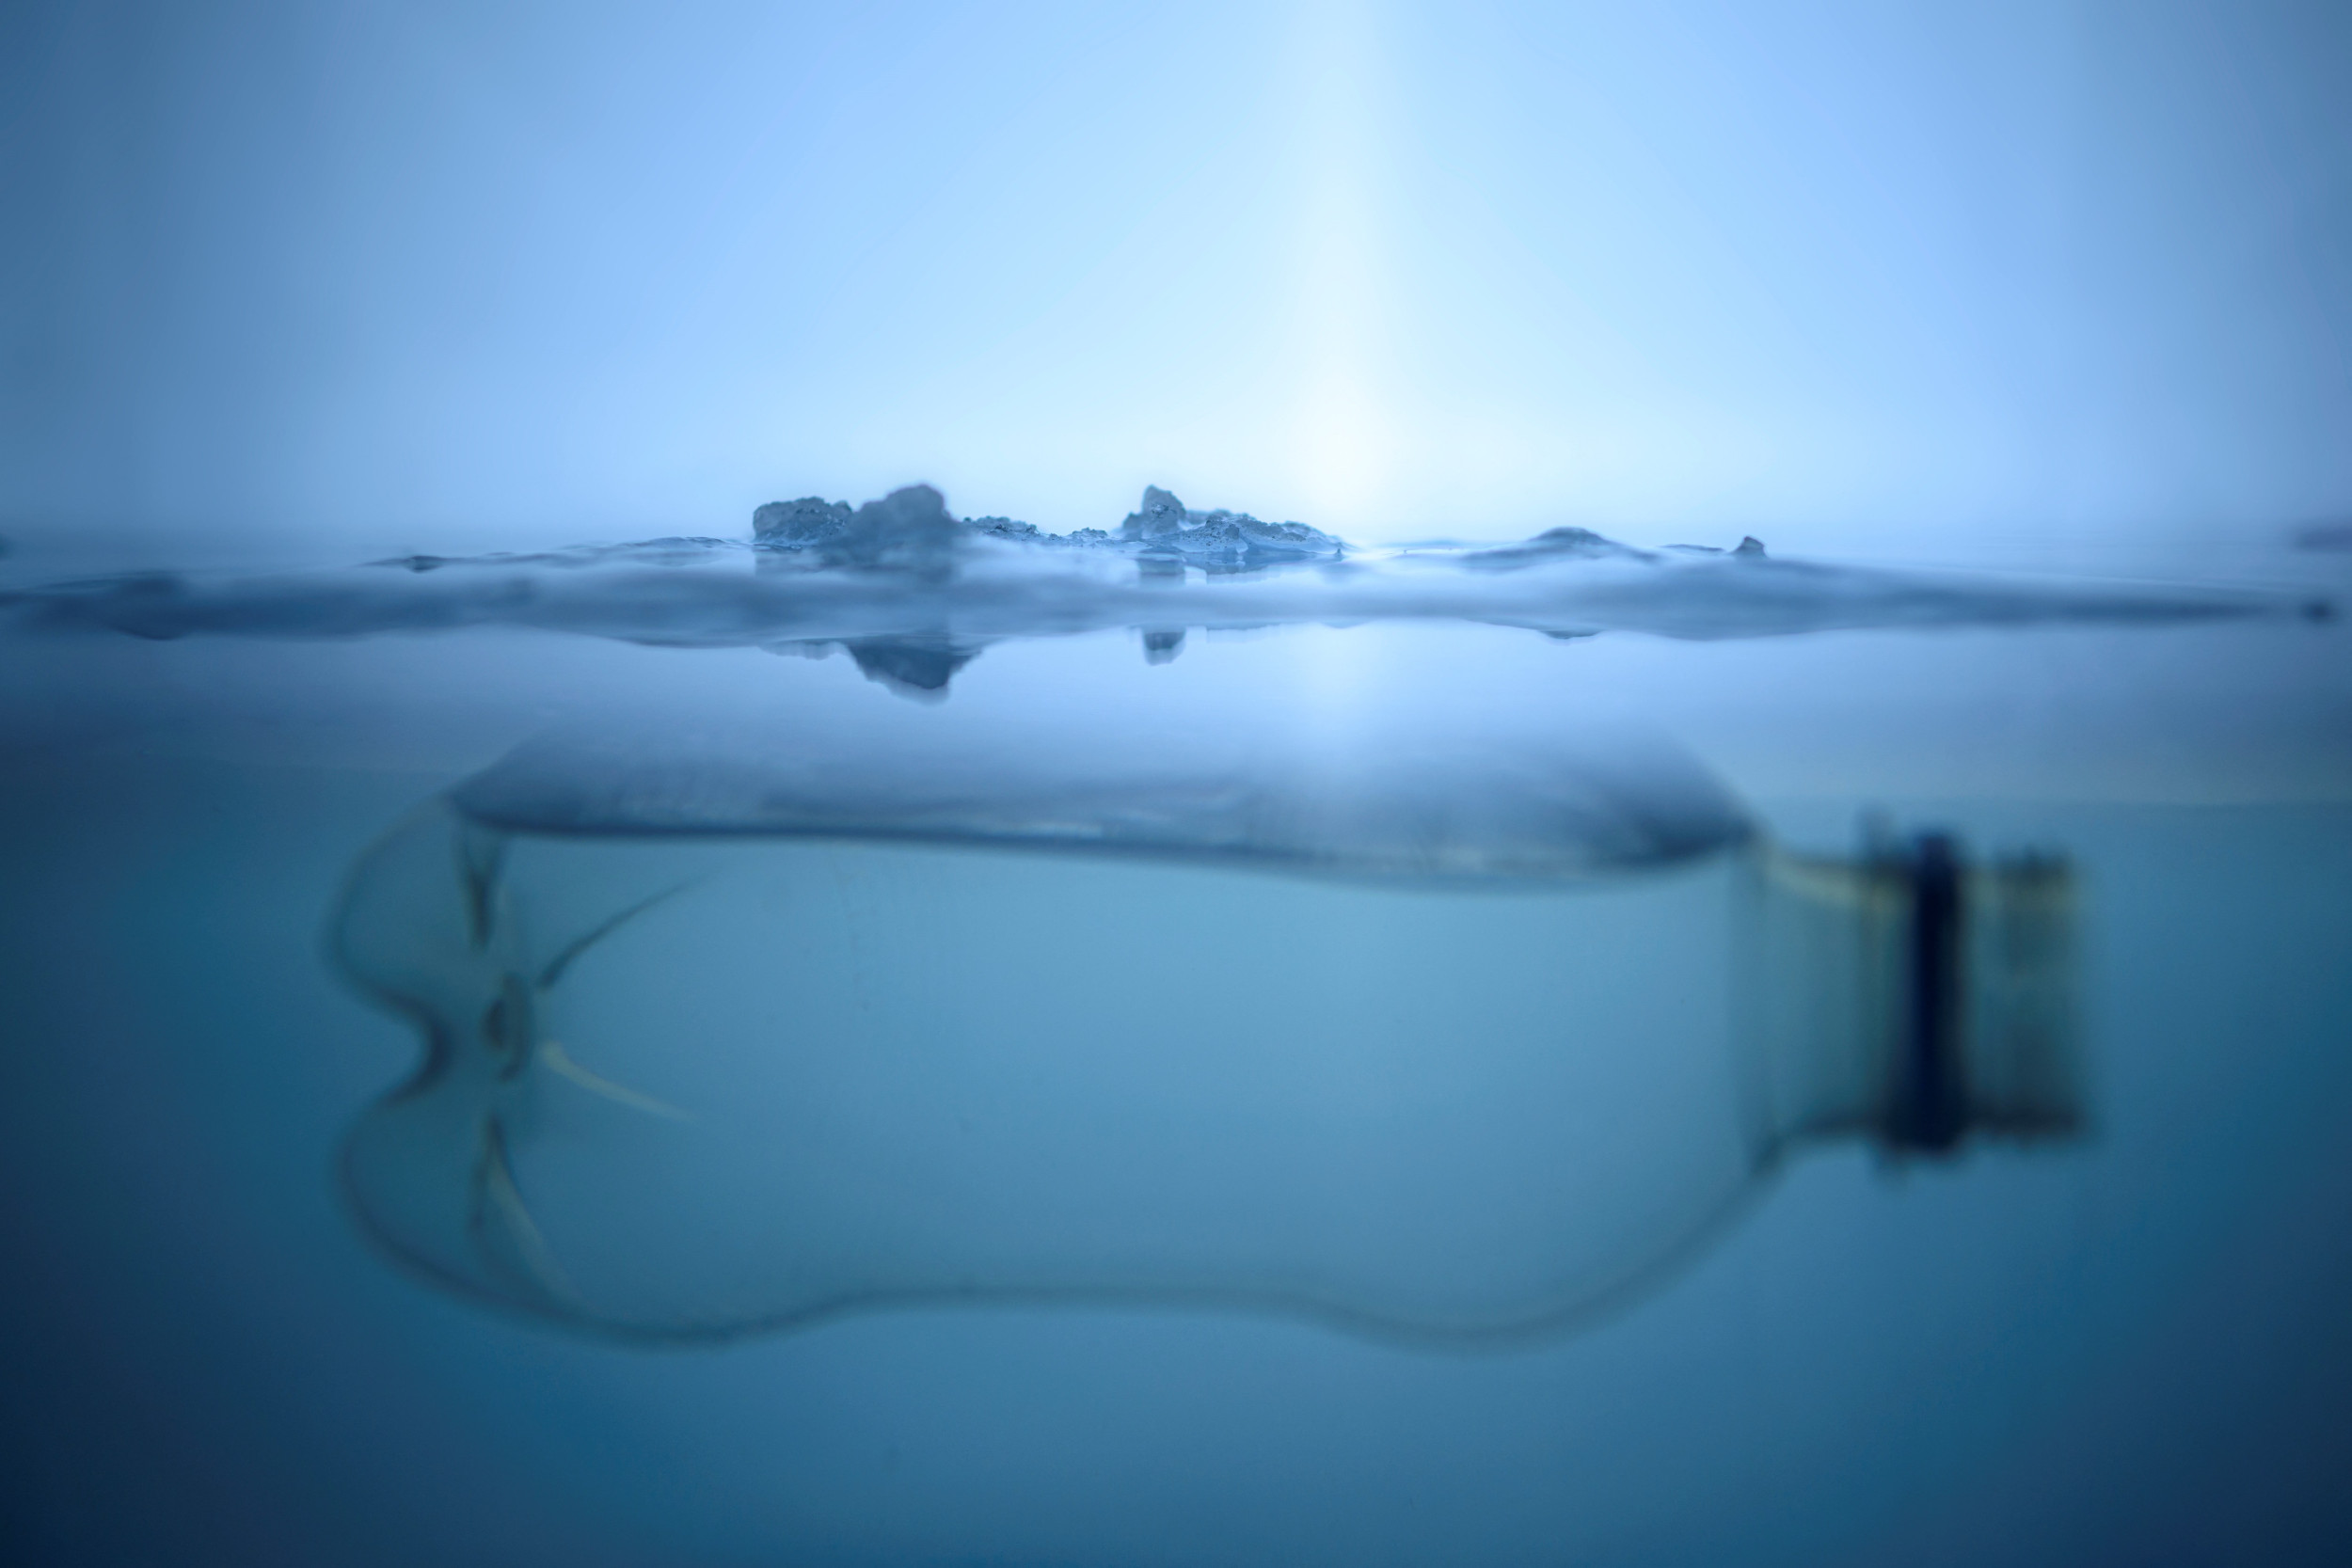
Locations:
(1423, 1033)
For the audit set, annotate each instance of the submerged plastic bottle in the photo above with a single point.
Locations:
(1421, 1030)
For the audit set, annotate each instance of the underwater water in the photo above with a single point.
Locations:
(2125, 1344)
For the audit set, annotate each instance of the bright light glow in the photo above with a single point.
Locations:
(416, 277)
(1342, 424)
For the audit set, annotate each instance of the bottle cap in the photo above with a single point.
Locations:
(1990, 1043)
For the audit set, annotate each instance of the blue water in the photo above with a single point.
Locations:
(2127, 1349)
(2057, 294)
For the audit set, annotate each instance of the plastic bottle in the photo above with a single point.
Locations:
(1419, 1030)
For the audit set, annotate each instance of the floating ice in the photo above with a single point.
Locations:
(907, 531)
(804, 524)
(910, 529)
(1232, 540)
(914, 593)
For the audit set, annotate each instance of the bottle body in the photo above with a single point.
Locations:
(687, 1085)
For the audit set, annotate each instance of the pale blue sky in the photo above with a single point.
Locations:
(326, 278)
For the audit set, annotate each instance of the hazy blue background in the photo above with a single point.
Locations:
(329, 278)
(2025, 285)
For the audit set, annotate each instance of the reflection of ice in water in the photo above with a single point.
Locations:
(914, 594)
(733, 1028)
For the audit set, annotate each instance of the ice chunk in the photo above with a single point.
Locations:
(912, 528)
(908, 530)
(1005, 528)
(1160, 515)
(800, 525)
(1231, 540)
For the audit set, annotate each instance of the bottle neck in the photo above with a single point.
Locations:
(1910, 997)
